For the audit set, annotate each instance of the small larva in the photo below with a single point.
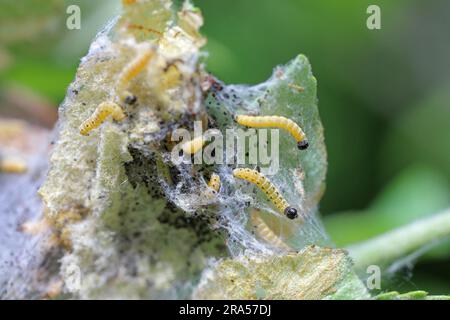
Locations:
(132, 70)
(194, 145)
(170, 77)
(141, 27)
(265, 233)
(214, 182)
(103, 110)
(12, 165)
(296, 87)
(268, 188)
(276, 122)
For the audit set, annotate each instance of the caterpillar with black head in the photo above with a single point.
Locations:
(276, 122)
(269, 189)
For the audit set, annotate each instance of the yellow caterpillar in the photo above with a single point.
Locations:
(268, 188)
(214, 183)
(132, 70)
(12, 165)
(193, 146)
(100, 114)
(276, 122)
(265, 233)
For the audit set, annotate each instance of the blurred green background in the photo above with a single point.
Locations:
(384, 95)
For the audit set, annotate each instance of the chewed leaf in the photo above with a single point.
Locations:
(313, 273)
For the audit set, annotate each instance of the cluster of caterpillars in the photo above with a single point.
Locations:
(124, 97)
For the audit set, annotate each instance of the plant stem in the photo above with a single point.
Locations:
(398, 243)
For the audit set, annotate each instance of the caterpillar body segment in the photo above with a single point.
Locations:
(268, 188)
(275, 122)
(265, 233)
(132, 70)
(103, 110)
(193, 146)
(214, 183)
